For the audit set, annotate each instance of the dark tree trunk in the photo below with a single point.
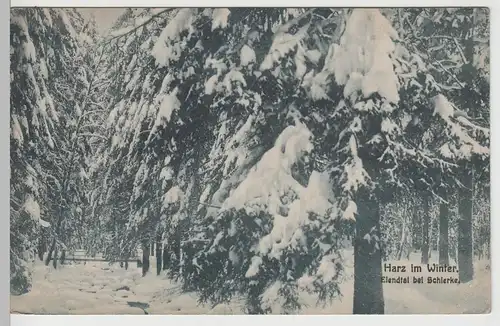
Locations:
(41, 248)
(53, 244)
(402, 240)
(433, 236)
(416, 223)
(165, 257)
(50, 253)
(487, 235)
(158, 254)
(126, 257)
(444, 247)
(145, 259)
(121, 264)
(54, 261)
(425, 231)
(175, 257)
(253, 302)
(185, 225)
(368, 291)
(465, 249)
(63, 257)
(465, 264)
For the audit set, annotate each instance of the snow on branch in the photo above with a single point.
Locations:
(270, 187)
(219, 18)
(282, 44)
(31, 207)
(362, 62)
(163, 50)
(354, 174)
(272, 176)
(456, 121)
(173, 195)
(169, 104)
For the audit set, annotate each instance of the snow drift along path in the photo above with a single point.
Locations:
(98, 288)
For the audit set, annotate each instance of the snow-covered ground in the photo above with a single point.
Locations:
(98, 288)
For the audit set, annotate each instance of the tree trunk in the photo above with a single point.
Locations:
(125, 260)
(465, 264)
(152, 247)
(444, 258)
(488, 249)
(402, 240)
(176, 248)
(432, 233)
(41, 248)
(416, 223)
(368, 291)
(158, 254)
(54, 261)
(254, 302)
(185, 225)
(145, 259)
(56, 234)
(165, 257)
(425, 231)
(50, 252)
(63, 257)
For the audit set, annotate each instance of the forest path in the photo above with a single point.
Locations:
(98, 288)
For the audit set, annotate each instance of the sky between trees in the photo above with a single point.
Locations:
(104, 17)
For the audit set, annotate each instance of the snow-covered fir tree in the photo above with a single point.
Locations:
(253, 148)
(45, 78)
(330, 79)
